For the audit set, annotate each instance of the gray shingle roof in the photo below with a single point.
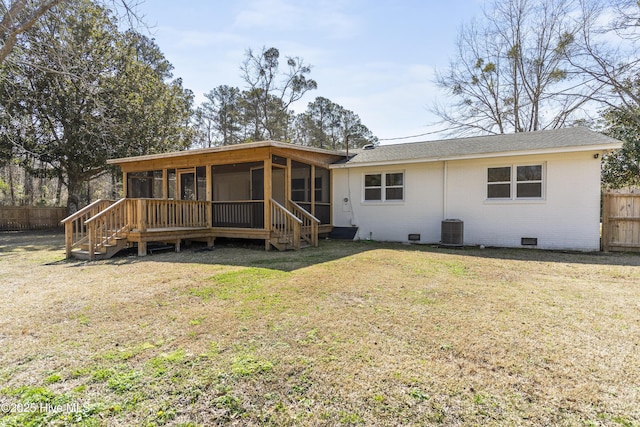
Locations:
(559, 140)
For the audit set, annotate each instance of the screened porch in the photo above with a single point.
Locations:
(269, 191)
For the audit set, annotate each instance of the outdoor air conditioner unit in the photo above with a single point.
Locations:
(452, 232)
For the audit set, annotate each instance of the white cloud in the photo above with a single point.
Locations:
(325, 17)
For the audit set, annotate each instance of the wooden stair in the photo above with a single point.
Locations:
(105, 251)
(292, 227)
(284, 243)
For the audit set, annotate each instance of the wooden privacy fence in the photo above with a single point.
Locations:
(621, 222)
(14, 218)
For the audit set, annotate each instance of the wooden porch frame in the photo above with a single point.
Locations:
(136, 220)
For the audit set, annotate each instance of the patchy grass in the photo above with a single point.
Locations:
(350, 333)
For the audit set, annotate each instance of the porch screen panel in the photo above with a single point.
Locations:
(301, 184)
(157, 184)
(232, 195)
(171, 184)
(201, 183)
(144, 185)
(322, 196)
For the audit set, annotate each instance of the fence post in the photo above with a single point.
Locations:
(27, 214)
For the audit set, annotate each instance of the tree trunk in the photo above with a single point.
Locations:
(12, 192)
(28, 188)
(114, 184)
(73, 199)
(59, 191)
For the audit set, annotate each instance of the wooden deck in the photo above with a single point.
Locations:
(105, 227)
(175, 235)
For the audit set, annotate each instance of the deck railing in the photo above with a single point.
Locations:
(103, 221)
(163, 213)
(238, 213)
(106, 226)
(309, 226)
(75, 230)
(285, 226)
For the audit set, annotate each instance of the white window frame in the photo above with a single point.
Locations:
(513, 197)
(383, 187)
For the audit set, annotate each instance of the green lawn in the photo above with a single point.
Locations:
(350, 333)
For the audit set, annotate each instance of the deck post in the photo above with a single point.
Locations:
(287, 179)
(92, 240)
(68, 238)
(142, 248)
(209, 196)
(125, 188)
(267, 199)
(312, 197)
(165, 185)
(142, 216)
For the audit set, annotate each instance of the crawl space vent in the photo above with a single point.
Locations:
(529, 241)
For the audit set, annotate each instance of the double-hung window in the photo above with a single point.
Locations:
(384, 187)
(517, 182)
(529, 182)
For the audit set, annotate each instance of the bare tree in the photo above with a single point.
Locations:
(607, 50)
(511, 72)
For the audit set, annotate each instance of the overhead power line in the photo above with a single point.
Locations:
(421, 134)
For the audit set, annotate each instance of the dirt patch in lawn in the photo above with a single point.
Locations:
(350, 333)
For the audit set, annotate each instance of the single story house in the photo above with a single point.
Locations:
(537, 189)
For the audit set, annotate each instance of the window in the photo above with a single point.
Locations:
(499, 183)
(394, 187)
(529, 182)
(515, 182)
(384, 187)
(298, 190)
(373, 187)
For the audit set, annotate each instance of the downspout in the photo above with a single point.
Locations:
(353, 214)
(445, 167)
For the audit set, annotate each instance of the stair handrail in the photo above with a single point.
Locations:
(286, 212)
(84, 210)
(107, 225)
(310, 223)
(75, 231)
(289, 229)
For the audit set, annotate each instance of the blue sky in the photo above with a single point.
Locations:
(374, 57)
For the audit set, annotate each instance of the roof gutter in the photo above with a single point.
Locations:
(559, 150)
